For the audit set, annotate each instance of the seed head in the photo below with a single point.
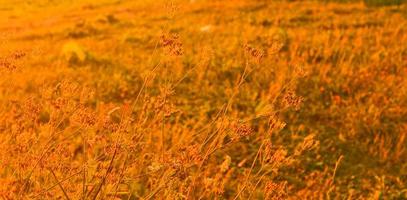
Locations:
(172, 44)
(242, 130)
(290, 99)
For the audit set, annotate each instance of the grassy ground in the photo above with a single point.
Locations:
(202, 99)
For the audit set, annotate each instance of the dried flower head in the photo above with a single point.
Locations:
(309, 143)
(172, 44)
(9, 63)
(31, 109)
(68, 89)
(254, 53)
(189, 155)
(275, 156)
(17, 55)
(242, 130)
(275, 46)
(86, 95)
(84, 116)
(290, 99)
(59, 103)
(275, 191)
(180, 170)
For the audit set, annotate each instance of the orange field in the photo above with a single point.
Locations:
(203, 99)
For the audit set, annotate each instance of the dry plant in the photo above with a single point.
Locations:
(204, 100)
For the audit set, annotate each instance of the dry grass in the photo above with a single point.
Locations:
(202, 100)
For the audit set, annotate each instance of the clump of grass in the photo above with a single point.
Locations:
(243, 111)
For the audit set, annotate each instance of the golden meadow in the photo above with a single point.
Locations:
(203, 99)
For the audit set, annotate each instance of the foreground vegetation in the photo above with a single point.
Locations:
(202, 100)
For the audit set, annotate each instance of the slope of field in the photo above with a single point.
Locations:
(202, 99)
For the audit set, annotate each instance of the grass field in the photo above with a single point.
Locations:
(203, 99)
